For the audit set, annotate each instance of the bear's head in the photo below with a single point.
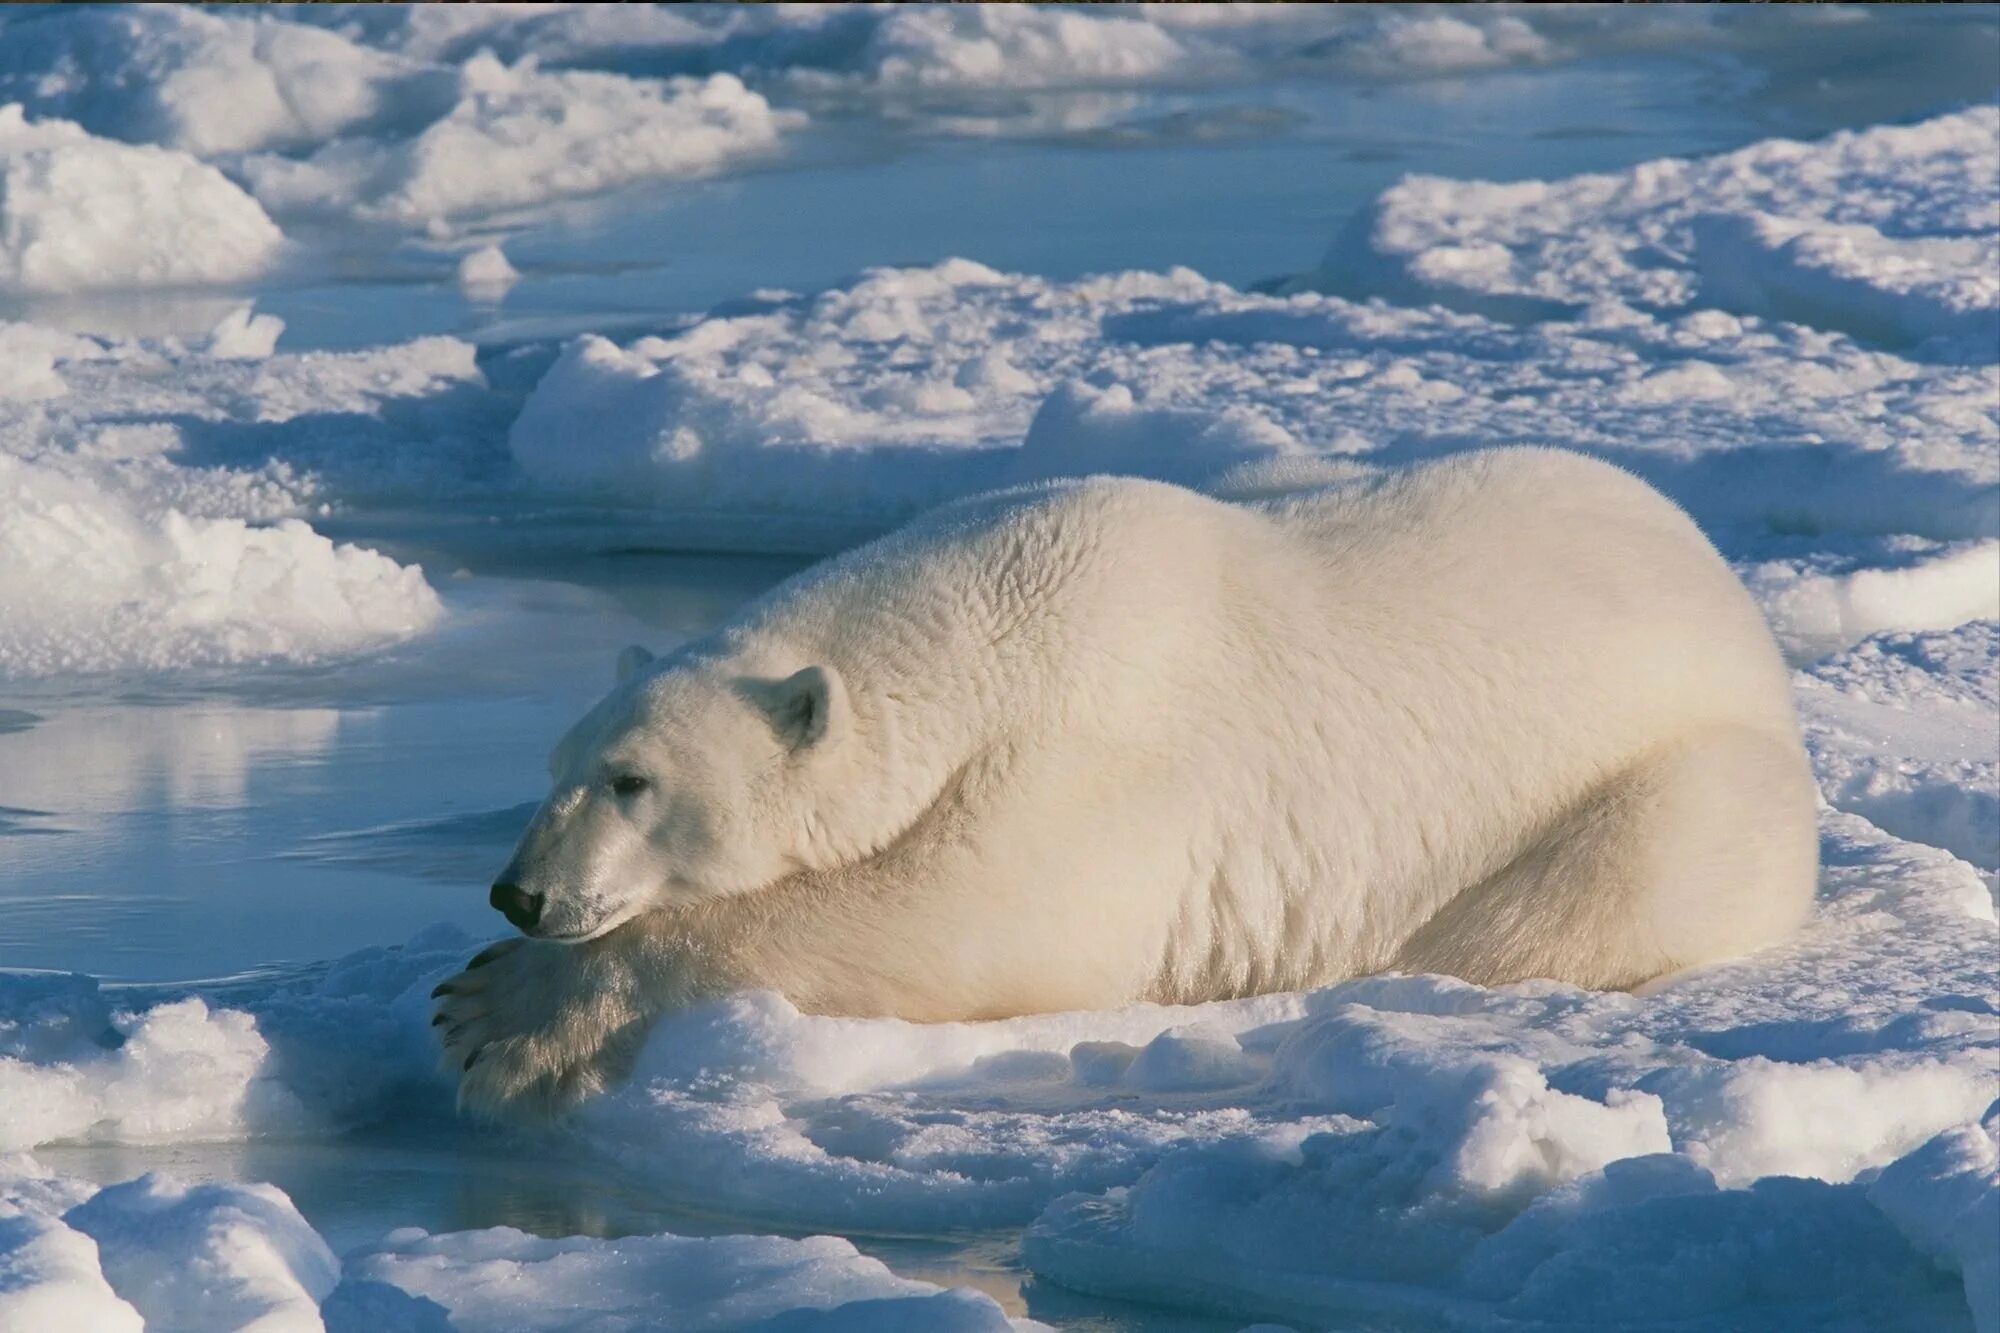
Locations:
(689, 781)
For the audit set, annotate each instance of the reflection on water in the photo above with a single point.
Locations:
(97, 762)
(356, 1189)
(203, 826)
(434, 1174)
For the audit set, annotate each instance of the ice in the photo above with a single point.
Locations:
(1396, 1147)
(194, 1258)
(485, 274)
(1946, 1198)
(166, 488)
(95, 580)
(1902, 726)
(244, 335)
(506, 1278)
(78, 213)
(205, 81)
(1795, 340)
(50, 1274)
(908, 386)
(519, 136)
(179, 1257)
(1888, 233)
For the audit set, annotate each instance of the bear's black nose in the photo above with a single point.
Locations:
(521, 908)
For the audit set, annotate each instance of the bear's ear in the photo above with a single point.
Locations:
(630, 662)
(806, 708)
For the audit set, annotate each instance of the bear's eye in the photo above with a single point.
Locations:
(628, 784)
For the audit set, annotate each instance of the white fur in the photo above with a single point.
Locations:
(1503, 715)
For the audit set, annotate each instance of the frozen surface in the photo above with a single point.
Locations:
(521, 136)
(908, 386)
(506, 1278)
(284, 632)
(1890, 233)
(1401, 1148)
(198, 1258)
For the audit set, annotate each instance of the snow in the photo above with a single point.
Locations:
(1395, 1147)
(95, 580)
(505, 1278)
(150, 522)
(79, 213)
(244, 335)
(877, 398)
(1890, 234)
(485, 275)
(1946, 1198)
(1797, 341)
(179, 1257)
(1796, 1139)
(199, 1257)
(205, 81)
(518, 136)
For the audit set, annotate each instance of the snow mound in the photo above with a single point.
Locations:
(1817, 606)
(244, 335)
(209, 1256)
(909, 386)
(502, 1278)
(162, 1253)
(28, 358)
(79, 213)
(1889, 233)
(519, 136)
(95, 580)
(485, 275)
(1946, 1198)
(965, 48)
(207, 82)
(1001, 46)
(1898, 723)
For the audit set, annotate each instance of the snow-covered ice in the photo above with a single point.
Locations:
(78, 213)
(1891, 233)
(485, 273)
(520, 136)
(1798, 339)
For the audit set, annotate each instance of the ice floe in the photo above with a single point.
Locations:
(167, 1254)
(207, 81)
(79, 213)
(1889, 233)
(518, 136)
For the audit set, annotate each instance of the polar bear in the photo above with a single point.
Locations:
(1503, 715)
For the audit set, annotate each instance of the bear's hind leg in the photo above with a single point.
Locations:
(1704, 851)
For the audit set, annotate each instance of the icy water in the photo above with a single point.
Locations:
(232, 823)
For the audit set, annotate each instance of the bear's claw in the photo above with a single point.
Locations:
(498, 949)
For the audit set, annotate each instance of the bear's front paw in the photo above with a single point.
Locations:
(531, 1029)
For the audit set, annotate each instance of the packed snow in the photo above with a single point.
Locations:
(79, 213)
(520, 136)
(1892, 234)
(485, 274)
(1797, 340)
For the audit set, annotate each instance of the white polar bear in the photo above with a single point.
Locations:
(1504, 715)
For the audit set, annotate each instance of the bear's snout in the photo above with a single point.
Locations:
(521, 908)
